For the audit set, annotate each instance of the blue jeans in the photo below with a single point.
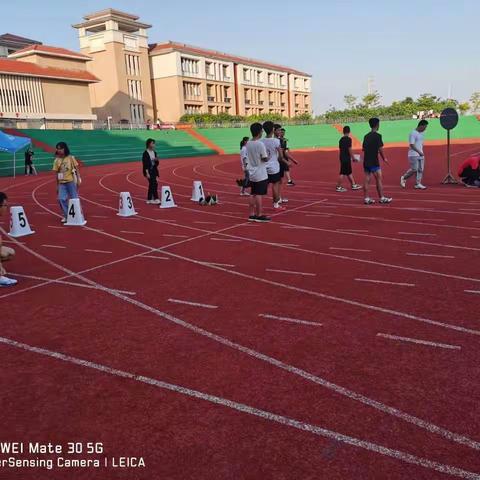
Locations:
(65, 192)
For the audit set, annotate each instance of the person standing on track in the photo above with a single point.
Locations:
(150, 171)
(372, 148)
(6, 253)
(257, 171)
(244, 182)
(29, 168)
(287, 156)
(274, 153)
(415, 157)
(346, 159)
(68, 176)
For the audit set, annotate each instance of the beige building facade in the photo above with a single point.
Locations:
(141, 82)
(40, 82)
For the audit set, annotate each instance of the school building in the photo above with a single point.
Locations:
(119, 77)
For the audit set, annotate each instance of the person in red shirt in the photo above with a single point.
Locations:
(469, 171)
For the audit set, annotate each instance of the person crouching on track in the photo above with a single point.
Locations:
(150, 171)
(346, 159)
(68, 177)
(6, 253)
(469, 171)
(244, 183)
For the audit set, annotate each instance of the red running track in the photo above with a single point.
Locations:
(339, 341)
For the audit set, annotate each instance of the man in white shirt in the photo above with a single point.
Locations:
(274, 153)
(415, 156)
(257, 172)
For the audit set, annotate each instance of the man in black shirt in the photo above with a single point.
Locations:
(346, 158)
(372, 147)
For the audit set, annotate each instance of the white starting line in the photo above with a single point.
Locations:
(351, 230)
(472, 291)
(429, 255)
(292, 320)
(420, 342)
(206, 223)
(192, 304)
(385, 282)
(349, 249)
(176, 236)
(422, 234)
(291, 272)
(55, 226)
(428, 219)
(225, 239)
(97, 251)
(53, 246)
(154, 256)
(218, 264)
(135, 233)
(99, 216)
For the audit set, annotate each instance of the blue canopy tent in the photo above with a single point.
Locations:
(12, 144)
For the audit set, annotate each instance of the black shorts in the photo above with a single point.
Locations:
(275, 178)
(259, 188)
(345, 168)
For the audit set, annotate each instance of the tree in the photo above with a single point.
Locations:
(350, 101)
(475, 101)
(464, 107)
(371, 100)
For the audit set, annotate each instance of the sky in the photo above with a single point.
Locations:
(408, 47)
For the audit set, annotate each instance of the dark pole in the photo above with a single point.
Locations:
(448, 152)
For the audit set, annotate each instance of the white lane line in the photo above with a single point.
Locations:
(429, 255)
(193, 304)
(422, 234)
(206, 223)
(421, 342)
(56, 226)
(96, 251)
(154, 256)
(247, 409)
(318, 215)
(296, 227)
(98, 216)
(417, 421)
(64, 282)
(136, 233)
(291, 272)
(285, 245)
(428, 219)
(475, 237)
(176, 236)
(472, 291)
(349, 249)
(218, 264)
(225, 239)
(41, 213)
(12, 241)
(53, 246)
(351, 230)
(292, 320)
(384, 282)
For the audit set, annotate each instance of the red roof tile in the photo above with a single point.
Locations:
(16, 67)
(160, 47)
(47, 50)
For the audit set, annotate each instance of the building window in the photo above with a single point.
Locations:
(132, 65)
(282, 80)
(209, 70)
(246, 74)
(190, 66)
(305, 84)
(192, 109)
(295, 82)
(225, 72)
(270, 78)
(135, 89)
(191, 90)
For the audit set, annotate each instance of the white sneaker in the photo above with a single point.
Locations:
(283, 200)
(157, 202)
(356, 186)
(403, 182)
(419, 186)
(369, 201)
(150, 202)
(386, 200)
(7, 282)
(341, 189)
